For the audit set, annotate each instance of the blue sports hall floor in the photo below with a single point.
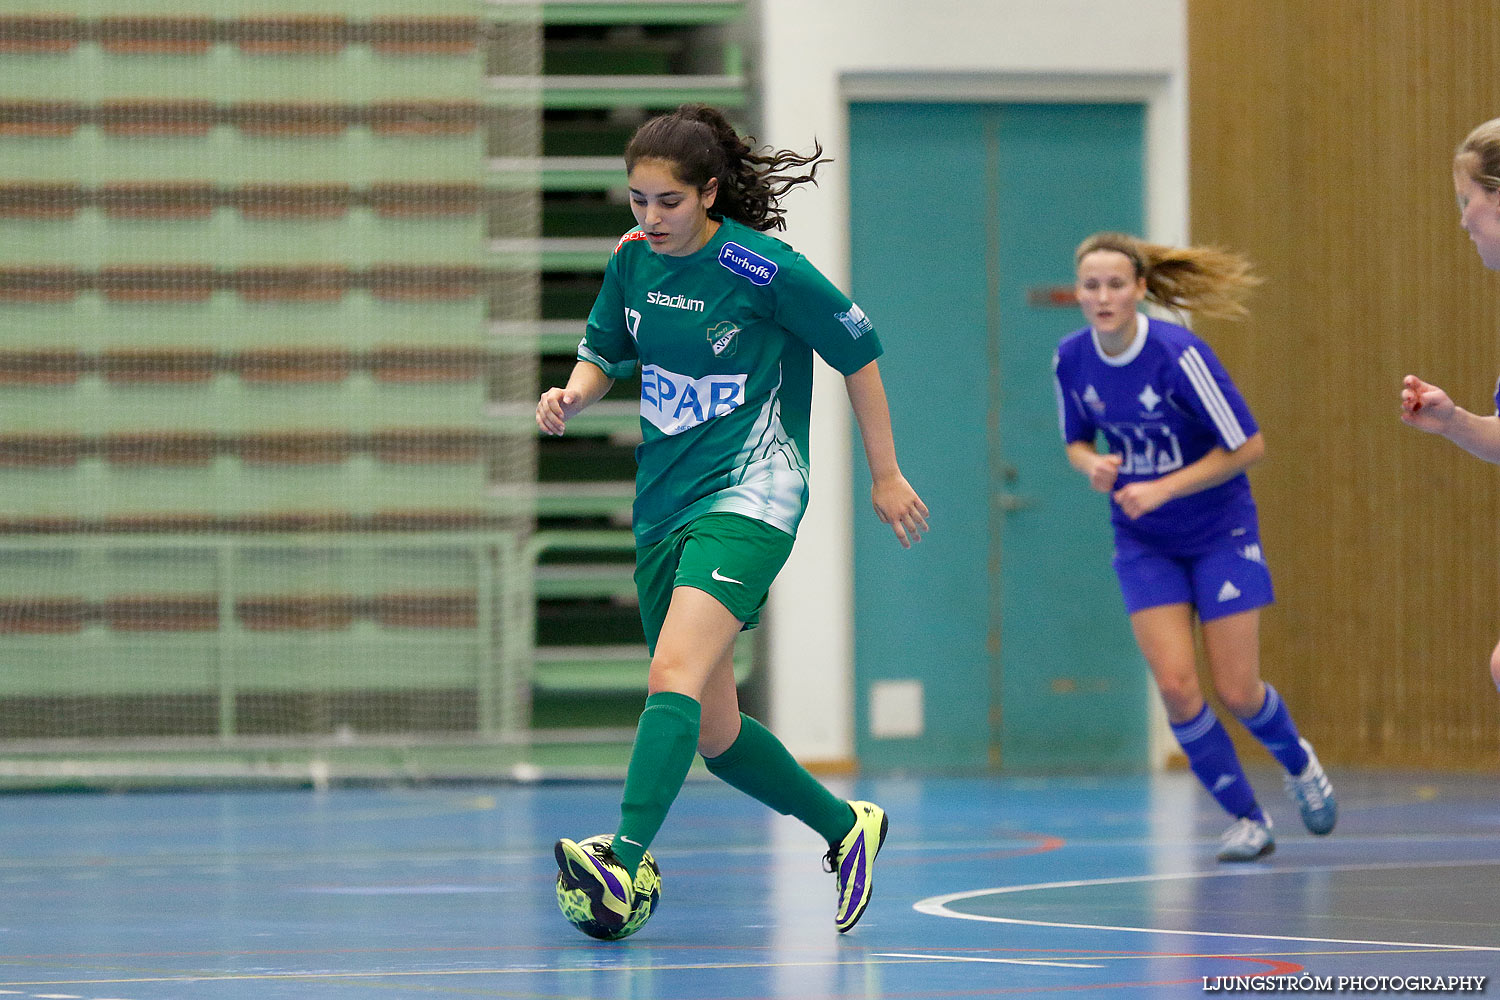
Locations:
(985, 888)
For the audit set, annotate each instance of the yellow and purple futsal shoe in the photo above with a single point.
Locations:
(593, 868)
(852, 861)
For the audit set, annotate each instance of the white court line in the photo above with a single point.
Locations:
(997, 961)
(937, 906)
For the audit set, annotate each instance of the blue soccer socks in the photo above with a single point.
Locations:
(1212, 758)
(1273, 726)
(1306, 784)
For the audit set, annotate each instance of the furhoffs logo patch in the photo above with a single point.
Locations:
(747, 264)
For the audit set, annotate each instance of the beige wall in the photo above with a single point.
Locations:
(1320, 137)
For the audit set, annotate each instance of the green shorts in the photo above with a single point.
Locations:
(730, 557)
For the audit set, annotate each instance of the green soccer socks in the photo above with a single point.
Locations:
(666, 738)
(760, 766)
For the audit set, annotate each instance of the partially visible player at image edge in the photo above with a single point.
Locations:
(1476, 183)
(1187, 537)
(722, 321)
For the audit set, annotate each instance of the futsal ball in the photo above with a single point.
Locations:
(579, 910)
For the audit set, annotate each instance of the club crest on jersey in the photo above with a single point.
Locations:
(1149, 399)
(747, 264)
(723, 339)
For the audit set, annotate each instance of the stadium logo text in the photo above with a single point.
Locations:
(674, 301)
(747, 264)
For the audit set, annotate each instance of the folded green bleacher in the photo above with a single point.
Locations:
(279, 290)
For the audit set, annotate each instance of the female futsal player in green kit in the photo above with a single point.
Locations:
(722, 322)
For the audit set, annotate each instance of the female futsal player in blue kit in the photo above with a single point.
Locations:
(1179, 438)
(1476, 182)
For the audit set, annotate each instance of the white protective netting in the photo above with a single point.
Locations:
(248, 454)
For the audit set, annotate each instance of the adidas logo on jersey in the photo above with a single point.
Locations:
(1228, 592)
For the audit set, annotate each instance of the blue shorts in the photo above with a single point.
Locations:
(1218, 581)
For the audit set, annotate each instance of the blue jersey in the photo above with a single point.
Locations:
(1161, 405)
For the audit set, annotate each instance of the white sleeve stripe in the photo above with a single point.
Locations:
(1062, 417)
(1213, 398)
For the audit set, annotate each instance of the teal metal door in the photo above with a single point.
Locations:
(1003, 632)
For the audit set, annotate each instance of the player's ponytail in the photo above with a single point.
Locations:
(1205, 280)
(701, 145)
(1479, 155)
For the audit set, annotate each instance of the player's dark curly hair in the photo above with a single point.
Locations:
(701, 145)
(1204, 280)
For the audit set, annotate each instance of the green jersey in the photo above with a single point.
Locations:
(724, 340)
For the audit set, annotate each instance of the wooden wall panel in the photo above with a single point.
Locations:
(1321, 137)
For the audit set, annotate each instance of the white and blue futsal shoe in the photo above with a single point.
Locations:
(1313, 793)
(1247, 840)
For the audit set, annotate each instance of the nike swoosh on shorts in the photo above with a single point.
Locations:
(724, 579)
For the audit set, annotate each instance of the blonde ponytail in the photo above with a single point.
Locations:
(1207, 281)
